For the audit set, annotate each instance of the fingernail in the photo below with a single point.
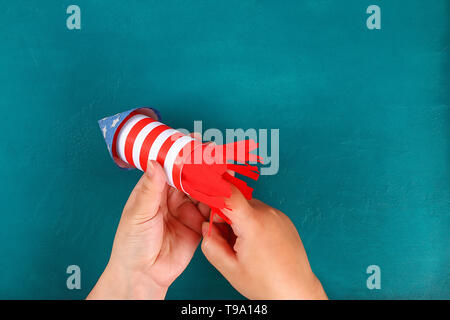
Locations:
(150, 168)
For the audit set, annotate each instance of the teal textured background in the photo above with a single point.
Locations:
(363, 115)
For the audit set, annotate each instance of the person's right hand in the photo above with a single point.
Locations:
(261, 255)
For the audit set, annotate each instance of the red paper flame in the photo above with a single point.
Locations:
(209, 181)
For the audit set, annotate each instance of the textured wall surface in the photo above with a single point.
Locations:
(363, 115)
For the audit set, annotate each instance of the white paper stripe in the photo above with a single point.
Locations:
(163, 136)
(124, 131)
(172, 155)
(140, 140)
(156, 146)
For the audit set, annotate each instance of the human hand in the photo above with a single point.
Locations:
(158, 232)
(261, 254)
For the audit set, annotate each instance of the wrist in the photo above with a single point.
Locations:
(306, 287)
(117, 283)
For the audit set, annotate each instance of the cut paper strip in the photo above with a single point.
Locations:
(200, 170)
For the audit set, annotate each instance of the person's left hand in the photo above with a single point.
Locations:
(158, 233)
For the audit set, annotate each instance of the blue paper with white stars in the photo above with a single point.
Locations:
(109, 125)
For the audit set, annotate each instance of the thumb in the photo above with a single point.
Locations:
(147, 195)
(218, 251)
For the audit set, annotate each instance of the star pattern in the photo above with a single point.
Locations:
(109, 125)
(114, 122)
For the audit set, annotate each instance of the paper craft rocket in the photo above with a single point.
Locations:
(200, 170)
